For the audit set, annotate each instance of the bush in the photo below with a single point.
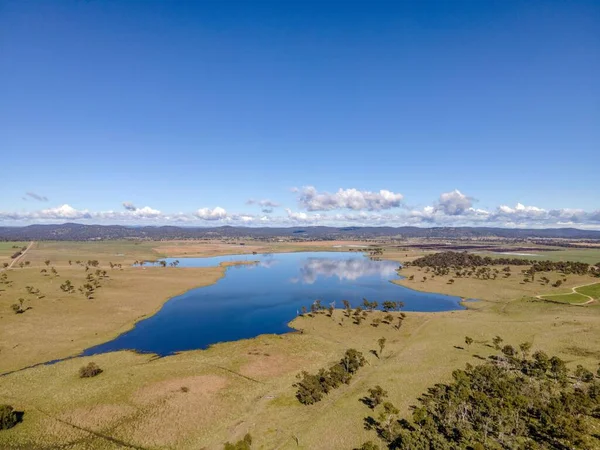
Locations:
(8, 417)
(243, 444)
(91, 370)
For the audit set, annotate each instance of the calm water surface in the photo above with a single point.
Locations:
(262, 298)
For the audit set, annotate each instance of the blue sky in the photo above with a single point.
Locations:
(424, 113)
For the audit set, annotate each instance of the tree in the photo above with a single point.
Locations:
(389, 306)
(242, 444)
(582, 374)
(18, 308)
(8, 417)
(525, 347)
(468, 341)
(90, 370)
(347, 307)
(387, 420)
(381, 343)
(330, 310)
(497, 341)
(509, 351)
(375, 397)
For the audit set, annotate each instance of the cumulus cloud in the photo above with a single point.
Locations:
(312, 200)
(64, 212)
(129, 206)
(147, 212)
(454, 203)
(451, 209)
(520, 213)
(217, 213)
(39, 198)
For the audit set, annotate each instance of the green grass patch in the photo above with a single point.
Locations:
(567, 298)
(593, 290)
(585, 255)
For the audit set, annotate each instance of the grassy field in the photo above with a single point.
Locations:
(591, 291)
(244, 386)
(572, 299)
(501, 289)
(7, 249)
(590, 256)
(57, 324)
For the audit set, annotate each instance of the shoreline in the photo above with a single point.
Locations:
(224, 265)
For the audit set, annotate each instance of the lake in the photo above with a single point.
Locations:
(262, 298)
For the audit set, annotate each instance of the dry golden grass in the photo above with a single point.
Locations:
(7, 249)
(203, 248)
(61, 324)
(246, 386)
(500, 289)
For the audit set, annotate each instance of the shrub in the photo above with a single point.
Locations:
(91, 370)
(8, 417)
(583, 374)
(243, 444)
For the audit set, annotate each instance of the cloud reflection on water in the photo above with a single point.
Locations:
(345, 269)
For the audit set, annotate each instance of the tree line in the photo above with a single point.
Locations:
(313, 387)
(462, 260)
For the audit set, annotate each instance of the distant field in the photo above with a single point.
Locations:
(125, 251)
(590, 256)
(592, 290)
(7, 249)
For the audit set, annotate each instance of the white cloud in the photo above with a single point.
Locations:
(312, 200)
(217, 213)
(451, 209)
(454, 203)
(147, 212)
(63, 212)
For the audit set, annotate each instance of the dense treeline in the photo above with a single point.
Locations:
(462, 260)
(312, 387)
(511, 401)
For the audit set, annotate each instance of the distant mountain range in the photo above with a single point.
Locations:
(79, 232)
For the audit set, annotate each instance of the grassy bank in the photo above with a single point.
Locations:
(201, 399)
